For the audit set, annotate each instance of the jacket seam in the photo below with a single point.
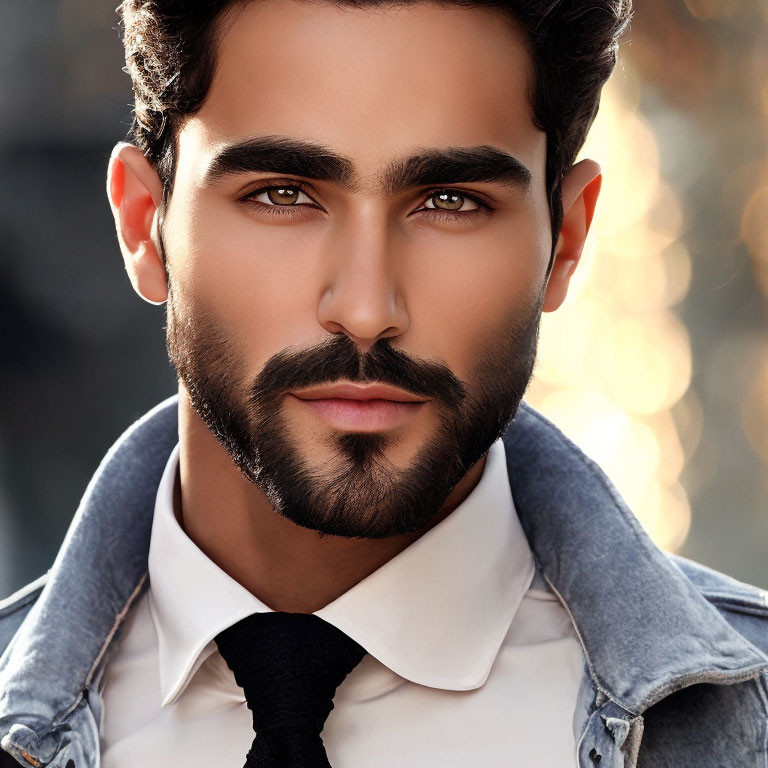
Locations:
(581, 741)
(737, 605)
(30, 594)
(20, 604)
(726, 587)
(688, 679)
(60, 718)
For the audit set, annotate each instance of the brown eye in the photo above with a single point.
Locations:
(283, 195)
(449, 200)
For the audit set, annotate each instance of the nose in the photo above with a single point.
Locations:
(361, 296)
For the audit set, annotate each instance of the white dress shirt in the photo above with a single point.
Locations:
(468, 665)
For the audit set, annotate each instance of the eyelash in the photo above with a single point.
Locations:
(433, 213)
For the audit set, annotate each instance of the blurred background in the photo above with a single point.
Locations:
(657, 365)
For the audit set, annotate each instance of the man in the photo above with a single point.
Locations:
(356, 213)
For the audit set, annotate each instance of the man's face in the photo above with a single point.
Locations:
(360, 200)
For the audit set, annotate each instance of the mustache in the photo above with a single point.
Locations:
(340, 358)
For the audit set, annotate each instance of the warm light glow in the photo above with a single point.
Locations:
(755, 411)
(710, 9)
(615, 360)
(754, 230)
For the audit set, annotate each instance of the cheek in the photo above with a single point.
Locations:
(251, 278)
(469, 287)
(250, 275)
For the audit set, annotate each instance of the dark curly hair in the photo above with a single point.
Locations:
(170, 50)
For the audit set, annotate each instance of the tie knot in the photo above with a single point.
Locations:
(289, 665)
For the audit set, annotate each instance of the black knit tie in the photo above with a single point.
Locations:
(289, 665)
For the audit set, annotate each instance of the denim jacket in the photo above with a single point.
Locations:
(676, 655)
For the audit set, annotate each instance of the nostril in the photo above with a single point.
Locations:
(595, 756)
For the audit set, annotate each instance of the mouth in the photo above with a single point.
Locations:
(362, 415)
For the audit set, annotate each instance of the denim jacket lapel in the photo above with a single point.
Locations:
(645, 629)
(49, 674)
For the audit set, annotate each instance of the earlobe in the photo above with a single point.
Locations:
(135, 193)
(580, 189)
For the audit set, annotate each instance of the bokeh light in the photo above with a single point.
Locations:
(615, 359)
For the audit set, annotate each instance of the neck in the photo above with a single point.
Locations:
(288, 567)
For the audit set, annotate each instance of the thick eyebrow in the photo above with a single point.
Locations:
(456, 165)
(445, 166)
(280, 154)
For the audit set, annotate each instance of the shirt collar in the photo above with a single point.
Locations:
(435, 614)
(191, 599)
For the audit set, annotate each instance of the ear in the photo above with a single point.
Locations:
(580, 188)
(135, 192)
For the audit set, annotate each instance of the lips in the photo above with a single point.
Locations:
(361, 408)
(363, 415)
(361, 392)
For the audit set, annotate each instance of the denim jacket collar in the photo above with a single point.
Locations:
(645, 629)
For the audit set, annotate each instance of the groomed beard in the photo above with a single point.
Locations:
(360, 493)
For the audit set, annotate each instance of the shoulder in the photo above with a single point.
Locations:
(13, 610)
(744, 606)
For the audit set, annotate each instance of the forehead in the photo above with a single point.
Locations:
(372, 83)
